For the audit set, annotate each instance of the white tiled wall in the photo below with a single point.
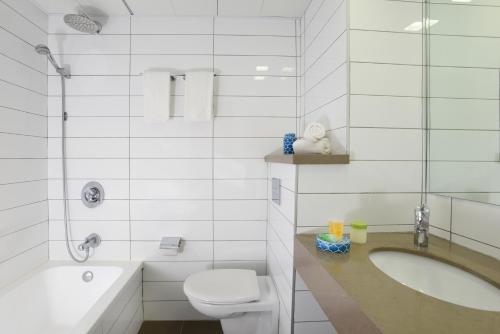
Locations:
(23, 140)
(205, 182)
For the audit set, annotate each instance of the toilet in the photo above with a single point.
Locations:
(244, 302)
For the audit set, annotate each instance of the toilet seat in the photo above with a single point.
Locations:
(223, 286)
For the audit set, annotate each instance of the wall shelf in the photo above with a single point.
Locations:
(308, 159)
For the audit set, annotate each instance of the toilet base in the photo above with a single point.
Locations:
(251, 323)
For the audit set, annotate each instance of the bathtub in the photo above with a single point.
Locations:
(55, 299)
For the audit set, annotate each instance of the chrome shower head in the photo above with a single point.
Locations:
(45, 51)
(82, 23)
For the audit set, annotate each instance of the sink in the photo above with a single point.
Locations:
(438, 279)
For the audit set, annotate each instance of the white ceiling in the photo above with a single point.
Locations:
(285, 8)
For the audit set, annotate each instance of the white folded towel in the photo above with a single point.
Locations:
(314, 131)
(156, 86)
(199, 95)
(308, 146)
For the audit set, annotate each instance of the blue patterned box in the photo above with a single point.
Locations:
(328, 243)
(288, 141)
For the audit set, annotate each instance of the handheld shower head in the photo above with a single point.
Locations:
(82, 23)
(45, 51)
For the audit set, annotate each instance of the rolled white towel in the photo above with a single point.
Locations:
(315, 131)
(306, 145)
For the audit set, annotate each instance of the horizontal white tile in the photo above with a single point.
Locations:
(385, 144)
(254, 26)
(383, 79)
(332, 115)
(17, 194)
(89, 106)
(440, 207)
(478, 221)
(14, 244)
(25, 100)
(187, 230)
(326, 13)
(253, 126)
(23, 264)
(18, 218)
(384, 15)
(240, 189)
(282, 227)
(15, 121)
(245, 147)
(286, 173)
(456, 82)
(264, 106)
(22, 146)
(170, 189)
(156, 291)
(91, 85)
(108, 210)
(255, 86)
(172, 271)
(32, 13)
(90, 148)
(117, 230)
(107, 251)
(240, 250)
(21, 51)
(286, 207)
(386, 47)
(476, 246)
(258, 266)
(459, 145)
(89, 127)
(329, 89)
(386, 111)
(170, 169)
(240, 230)
(171, 310)
(15, 23)
(240, 210)
(255, 65)
(93, 64)
(463, 114)
(174, 127)
(90, 168)
(171, 25)
(374, 209)
(114, 189)
(21, 75)
(170, 148)
(239, 169)
(190, 251)
(171, 44)
(89, 44)
(362, 176)
(171, 209)
(19, 170)
(173, 63)
(465, 177)
(254, 45)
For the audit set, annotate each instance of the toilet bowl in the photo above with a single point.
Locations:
(244, 302)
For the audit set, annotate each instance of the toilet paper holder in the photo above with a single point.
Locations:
(170, 245)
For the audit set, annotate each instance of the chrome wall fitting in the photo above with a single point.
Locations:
(92, 241)
(92, 194)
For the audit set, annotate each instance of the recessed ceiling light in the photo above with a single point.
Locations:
(261, 68)
(259, 78)
(287, 69)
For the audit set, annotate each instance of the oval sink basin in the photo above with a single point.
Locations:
(438, 279)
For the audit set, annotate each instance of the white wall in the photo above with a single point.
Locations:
(206, 182)
(23, 140)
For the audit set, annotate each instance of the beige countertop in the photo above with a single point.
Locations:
(359, 298)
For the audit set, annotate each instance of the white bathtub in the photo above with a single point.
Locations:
(55, 299)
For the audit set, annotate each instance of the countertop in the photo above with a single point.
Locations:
(359, 298)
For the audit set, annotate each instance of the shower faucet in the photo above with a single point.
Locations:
(92, 241)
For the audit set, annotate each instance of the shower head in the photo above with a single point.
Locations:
(45, 51)
(82, 23)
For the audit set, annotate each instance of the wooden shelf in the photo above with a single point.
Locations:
(308, 159)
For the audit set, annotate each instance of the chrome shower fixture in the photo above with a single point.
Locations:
(82, 23)
(45, 51)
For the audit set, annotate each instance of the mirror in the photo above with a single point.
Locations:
(463, 51)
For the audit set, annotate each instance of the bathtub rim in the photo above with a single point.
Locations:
(89, 319)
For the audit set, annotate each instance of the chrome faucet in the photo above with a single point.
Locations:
(421, 233)
(92, 241)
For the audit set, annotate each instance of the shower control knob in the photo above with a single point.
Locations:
(92, 194)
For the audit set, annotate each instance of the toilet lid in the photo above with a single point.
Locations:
(223, 286)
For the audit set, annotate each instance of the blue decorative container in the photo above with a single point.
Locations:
(328, 243)
(288, 141)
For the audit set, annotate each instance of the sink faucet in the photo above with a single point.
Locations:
(421, 233)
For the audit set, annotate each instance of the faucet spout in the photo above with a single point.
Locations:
(421, 232)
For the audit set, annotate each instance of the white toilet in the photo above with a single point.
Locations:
(244, 302)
